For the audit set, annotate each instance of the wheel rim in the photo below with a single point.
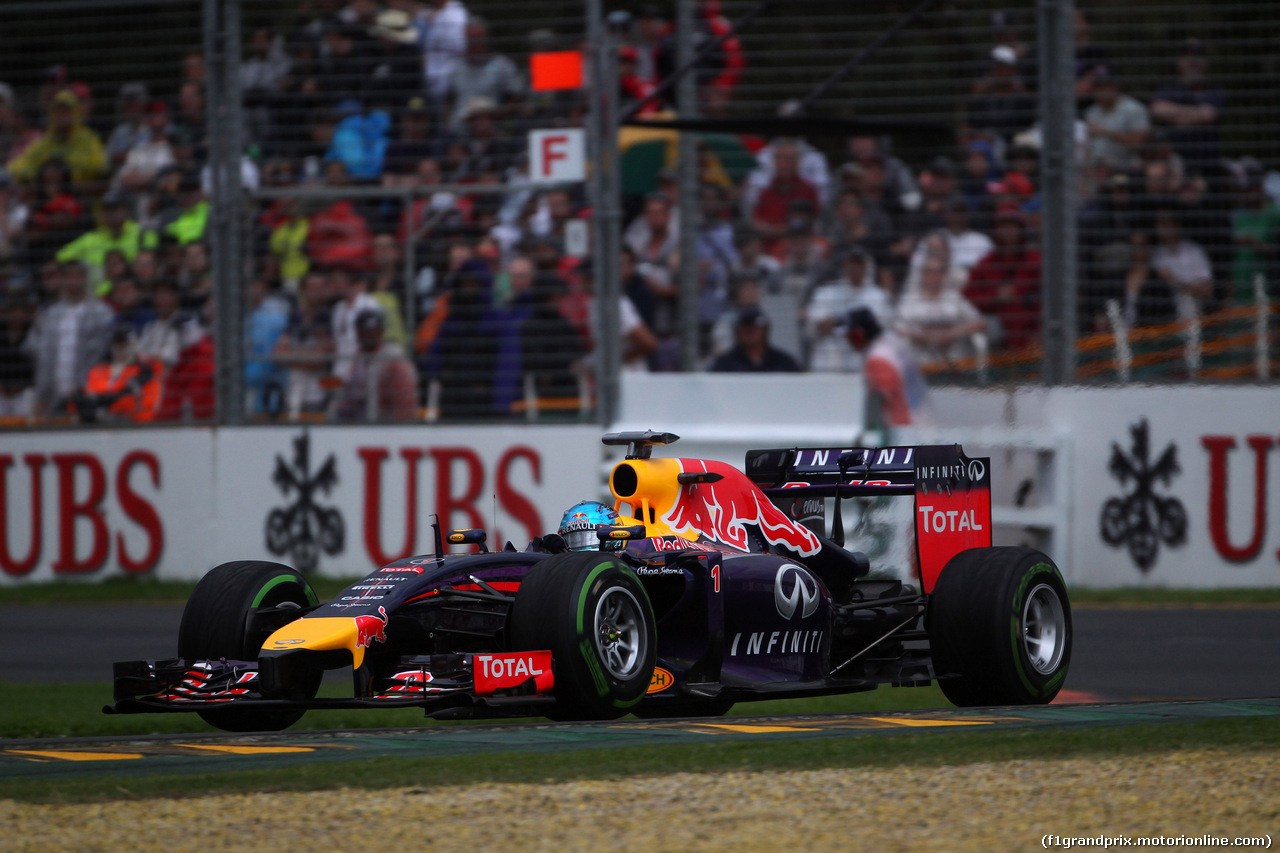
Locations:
(619, 633)
(1044, 629)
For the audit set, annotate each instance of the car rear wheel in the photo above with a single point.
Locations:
(592, 612)
(215, 624)
(1000, 628)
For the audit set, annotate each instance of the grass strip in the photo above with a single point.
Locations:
(75, 710)
(838, 751)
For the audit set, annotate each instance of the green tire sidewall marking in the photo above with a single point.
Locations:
(582, 596)
(276, 581)
(593, 666)
(1019, 600)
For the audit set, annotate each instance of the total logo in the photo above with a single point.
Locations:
(794, 589)
(949, 521)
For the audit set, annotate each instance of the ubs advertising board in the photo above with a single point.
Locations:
(1175, 487)
(332, 500)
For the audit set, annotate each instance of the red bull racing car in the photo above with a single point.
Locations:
(714, 586)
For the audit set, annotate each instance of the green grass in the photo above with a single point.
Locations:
(146, 589)
(75, 710)
(914, 749)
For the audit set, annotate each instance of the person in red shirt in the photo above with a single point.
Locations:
(1005, 285)
(769, 216)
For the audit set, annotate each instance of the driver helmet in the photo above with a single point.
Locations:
(579, 523)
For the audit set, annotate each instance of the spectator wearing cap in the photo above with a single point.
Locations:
(1118, 124)
(897, 394)
(19, 302)
(150, 154)
(383, 385)
(1191, 107)
(117, 231)
(15, 136)
(1000, 106)
(67, 340)
(126, 386)
(483, 151)
(131, 128)
(824, 316)
(67, 139)
(396, 61)
(752, 352)
(769, 214)
(938, 321)
(482, 74)
(1005, 285)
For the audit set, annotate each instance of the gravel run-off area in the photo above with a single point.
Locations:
(999, 806)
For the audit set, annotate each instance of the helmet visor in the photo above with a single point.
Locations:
(582, 540)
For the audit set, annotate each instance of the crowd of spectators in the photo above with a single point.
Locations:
(107, 273)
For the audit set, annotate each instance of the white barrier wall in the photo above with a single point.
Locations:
(176, 502)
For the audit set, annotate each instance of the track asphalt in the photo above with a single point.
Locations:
(63, 758)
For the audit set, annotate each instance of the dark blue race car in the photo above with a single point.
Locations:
(715, 586)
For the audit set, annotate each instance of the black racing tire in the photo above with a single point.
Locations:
(214, 625)
(999, 625)
(593, 613)
(659, 710)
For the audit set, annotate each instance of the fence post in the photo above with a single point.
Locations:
(1057, 164)
(1124, 355)
(606, 189)
(689, 283)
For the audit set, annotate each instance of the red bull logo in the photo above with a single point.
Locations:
(371, 629)
(722, 510)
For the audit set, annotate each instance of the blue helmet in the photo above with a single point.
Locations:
(579, 523)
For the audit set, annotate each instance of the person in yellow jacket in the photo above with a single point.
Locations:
(125, 387)
(118, 232)
(66, 139)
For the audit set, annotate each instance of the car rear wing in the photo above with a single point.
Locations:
(952, 491)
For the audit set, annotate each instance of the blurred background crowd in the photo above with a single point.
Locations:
(466, 291)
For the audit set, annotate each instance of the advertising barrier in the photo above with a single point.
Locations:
(333, 500)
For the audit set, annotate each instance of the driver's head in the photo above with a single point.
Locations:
(579, 523)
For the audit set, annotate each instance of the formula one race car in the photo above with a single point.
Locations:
(714, 587)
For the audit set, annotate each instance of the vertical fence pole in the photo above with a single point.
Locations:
(687, 175)
(606, 191)
(224, 119)
(1057, 164)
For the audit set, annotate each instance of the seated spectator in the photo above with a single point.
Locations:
(717, 257)
(1001, 106)
(801, 253)
(114, 268)
(482, 74)
(15, 136)
(117, 231)
(360, 140)
(350, 292)
(854, 225)
(897, 394)
(1183, 265)
(810, 166)
(196, 276)
(900, 184)
(967, 245)
(464, 354)
(772, 208)
(383, 385)
(69, 337)
(752, 352)
(395, 61)
(19, 302)
(638, 340)
(482, 148)
(938, 321)
(263, 72)
(1255, 231)
(187, 224)
(1191, 107)
(746, 292)
(263, 378)
(305, 348)
(386, 285)
(66, 139)
(1005, 286)
(161, 339)
(829, 349)
(57, 214)
(124, 387)
(551, 347)
(755, 262)
(339, 235)
(133, 309)
(288, 242)
(13, 221)
(1118, 124)
(189, 383)
(145, 271)
(149, 155)
(416, 141)
(980, 169)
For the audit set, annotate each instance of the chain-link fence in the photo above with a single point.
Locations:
(395, 262)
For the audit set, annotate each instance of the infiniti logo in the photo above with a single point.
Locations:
(976, 470)
(804, 590)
